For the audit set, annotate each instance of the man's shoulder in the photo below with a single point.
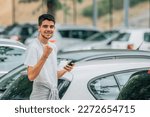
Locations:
(33, 44)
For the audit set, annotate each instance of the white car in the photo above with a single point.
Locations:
(96, 41)
(130, 39)
(146, 43)
(75, 34)
(77, 31)
(99, 76)
(11, 55)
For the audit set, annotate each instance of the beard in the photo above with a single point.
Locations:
(46, 37)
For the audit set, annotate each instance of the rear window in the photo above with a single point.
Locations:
(147, 37)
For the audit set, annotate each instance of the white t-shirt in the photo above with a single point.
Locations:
(48, 73)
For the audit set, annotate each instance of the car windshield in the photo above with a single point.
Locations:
(123, 37)
(9, 78)
(147, 37)
(97, 37)
(111, 33)
(10, 58)
(14, 31)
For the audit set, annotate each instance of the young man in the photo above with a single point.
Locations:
(41, 60)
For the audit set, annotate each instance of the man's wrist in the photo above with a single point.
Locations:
(44, 57)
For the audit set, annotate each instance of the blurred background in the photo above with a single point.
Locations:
(104, 14)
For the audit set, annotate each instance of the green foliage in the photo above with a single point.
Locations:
(117, 4)
(80, 1)
(103, 6)
(134, 2)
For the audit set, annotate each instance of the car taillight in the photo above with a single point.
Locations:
(130, 46)
(148, 71)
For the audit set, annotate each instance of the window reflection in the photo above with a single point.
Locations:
(104, 88)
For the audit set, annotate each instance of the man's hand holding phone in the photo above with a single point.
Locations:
(69, 66)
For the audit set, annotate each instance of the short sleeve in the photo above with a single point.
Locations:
(31, 56)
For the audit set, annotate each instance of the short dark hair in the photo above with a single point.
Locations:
(45, 17)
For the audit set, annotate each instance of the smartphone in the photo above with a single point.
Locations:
(71, 62)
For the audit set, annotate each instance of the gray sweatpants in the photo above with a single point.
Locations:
(42, 92)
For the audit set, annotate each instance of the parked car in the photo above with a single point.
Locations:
(146, 43)
(130, 39)
(101, 40)
(84, 55)
(75, 34)
(76, 31)
(94, 77)
(137, 88)
(11, 55)
(19, 32)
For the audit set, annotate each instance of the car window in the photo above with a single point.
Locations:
(137, 88)
(104, 88)
(97, 37)
(147, 37)
(62, 87)
(122, 78)
(7, 79)
(22, 87)
(79, 34)
(11, 51)
(25, 31)
(11, 57)
(15, 31)
(19, 90)
(123, 37)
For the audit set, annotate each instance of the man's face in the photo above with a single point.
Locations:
(47, 29)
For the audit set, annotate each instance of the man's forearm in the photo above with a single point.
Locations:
(33, 72)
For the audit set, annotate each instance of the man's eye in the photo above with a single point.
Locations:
(51, 26)
(45, 26)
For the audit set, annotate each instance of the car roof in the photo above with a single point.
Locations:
(12, 43)
(83, 55)
(75, 27)
(135, 30)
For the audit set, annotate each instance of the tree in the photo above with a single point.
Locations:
(52, 6)
(75, 9)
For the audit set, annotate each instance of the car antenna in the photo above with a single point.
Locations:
(140, 45)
